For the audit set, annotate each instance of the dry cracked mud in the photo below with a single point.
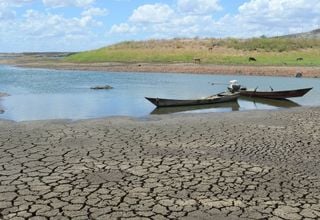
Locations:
(245, 165)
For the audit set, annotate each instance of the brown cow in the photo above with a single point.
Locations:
(197, 60)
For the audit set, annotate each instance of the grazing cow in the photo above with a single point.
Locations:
(298, 74)
(215, 44)
(299, 59)
(252, 59)
(210, 48)
(197, 60)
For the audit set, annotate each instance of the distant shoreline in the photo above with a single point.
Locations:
(249, 70)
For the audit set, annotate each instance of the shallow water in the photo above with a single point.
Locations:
(38, 94)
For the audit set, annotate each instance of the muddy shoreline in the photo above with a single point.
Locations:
(252, 70)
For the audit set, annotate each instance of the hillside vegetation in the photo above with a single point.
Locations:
(266, 51)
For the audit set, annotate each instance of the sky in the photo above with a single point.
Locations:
(77, 25)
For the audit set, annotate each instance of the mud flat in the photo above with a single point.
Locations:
(243, 165)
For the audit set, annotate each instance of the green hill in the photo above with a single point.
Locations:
(267, 51)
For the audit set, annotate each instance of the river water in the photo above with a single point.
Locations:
(37, 94)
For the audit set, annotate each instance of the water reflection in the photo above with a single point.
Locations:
(233, 106)
(228, 106)
(1, 107)
(279, 103)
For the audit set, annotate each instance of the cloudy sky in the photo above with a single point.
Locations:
(74, 25)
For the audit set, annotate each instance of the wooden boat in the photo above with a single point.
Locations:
(275, 94)
(218, 98)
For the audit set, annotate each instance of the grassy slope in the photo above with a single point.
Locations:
(274, 51)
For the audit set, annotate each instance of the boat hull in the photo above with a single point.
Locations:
(219, 98)
(275, 94)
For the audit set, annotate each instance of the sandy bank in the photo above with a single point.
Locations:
(239, 165)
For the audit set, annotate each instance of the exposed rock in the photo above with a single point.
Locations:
(2, 94)
(102, 87)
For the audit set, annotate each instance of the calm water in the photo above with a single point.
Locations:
(50, 94)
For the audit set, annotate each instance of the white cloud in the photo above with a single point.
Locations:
(190, 18)
(50, 3)
(6, 13)
(276, 17)
(186, 26)
(277, 10)
(156, 13)
(32, 30)
(41, 25)
(198, 6)
(15, 2)
(161, 20)
(42, 31)
(95, 12)
(66, 3)
(123, 28)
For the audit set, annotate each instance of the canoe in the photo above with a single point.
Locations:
(218, 98)
(275, 94)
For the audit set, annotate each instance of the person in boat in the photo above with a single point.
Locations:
(234, 86)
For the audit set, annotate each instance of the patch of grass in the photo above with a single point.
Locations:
(267, 51)
(272, 44)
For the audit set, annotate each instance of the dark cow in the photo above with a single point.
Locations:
(252, 59)
(299, 59)
(197, 60)
(299, 74)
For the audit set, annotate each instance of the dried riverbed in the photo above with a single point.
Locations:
(244, 165)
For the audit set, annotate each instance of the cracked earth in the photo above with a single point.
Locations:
(244, 165)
